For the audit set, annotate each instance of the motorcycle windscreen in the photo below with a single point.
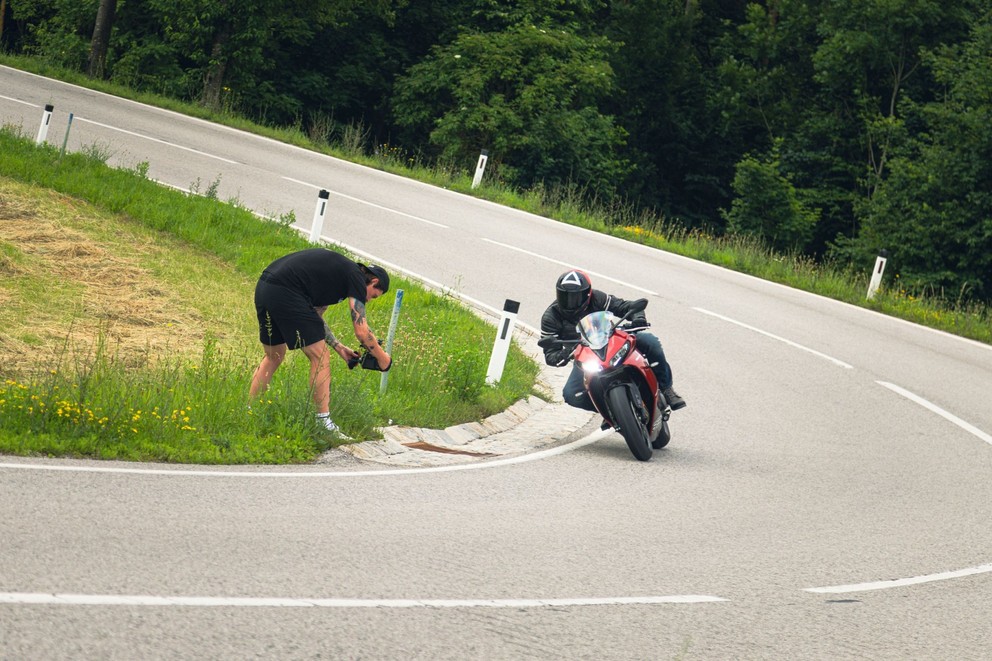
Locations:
(595, 329)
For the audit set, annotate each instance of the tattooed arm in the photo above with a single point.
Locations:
(365, 335)
(346, 353)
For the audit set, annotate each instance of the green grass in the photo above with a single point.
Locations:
(184, 268)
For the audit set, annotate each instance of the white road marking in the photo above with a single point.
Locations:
(29, 598)
(27, 103)
(366, 202)
(839, 363)
(534, 456)
(971, 429)
(570, 266)
(161, 142)
(902, 582)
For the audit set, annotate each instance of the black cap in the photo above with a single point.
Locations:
(380, 273)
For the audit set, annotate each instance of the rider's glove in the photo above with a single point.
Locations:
(639, 321)
(559, 357)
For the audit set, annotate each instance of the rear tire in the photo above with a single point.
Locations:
(632, 430)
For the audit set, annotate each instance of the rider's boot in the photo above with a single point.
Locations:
(673, 398)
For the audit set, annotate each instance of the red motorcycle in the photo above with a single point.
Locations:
(620, 381)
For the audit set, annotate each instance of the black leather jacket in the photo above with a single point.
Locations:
(556, 322)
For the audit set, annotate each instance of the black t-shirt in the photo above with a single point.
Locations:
(323, 276)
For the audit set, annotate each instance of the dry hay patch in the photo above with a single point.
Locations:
(121, 302)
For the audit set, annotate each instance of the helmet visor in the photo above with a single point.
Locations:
(572, 300)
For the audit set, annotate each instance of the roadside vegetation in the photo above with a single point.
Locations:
(956, 312)
(129, 331)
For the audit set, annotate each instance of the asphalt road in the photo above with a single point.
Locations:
(827, 493)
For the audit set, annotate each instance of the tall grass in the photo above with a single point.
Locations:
(93, 405)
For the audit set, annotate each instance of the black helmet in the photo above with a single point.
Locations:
(574, 291)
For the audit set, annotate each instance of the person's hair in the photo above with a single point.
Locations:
(376, 272)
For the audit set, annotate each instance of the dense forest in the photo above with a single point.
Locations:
(830, 128)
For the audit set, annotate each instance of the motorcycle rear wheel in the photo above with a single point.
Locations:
(631, 428)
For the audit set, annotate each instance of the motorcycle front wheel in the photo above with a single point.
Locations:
(630, 426)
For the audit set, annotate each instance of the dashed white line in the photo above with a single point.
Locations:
(902, 582)
(33, 598)
(971, 429)
(27, 103)
(161, 142)
(570, 266)
(367, 203)
(839, 363)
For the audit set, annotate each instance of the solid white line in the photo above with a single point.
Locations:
(570, 266)
(902, 582)
(534, 456)
(366, 202)
(839, 363)
(971, 429)
(162, 142)
(27, 598)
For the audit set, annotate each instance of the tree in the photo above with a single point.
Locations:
(768, 206)
(55, 30)
(3, 13)
(101, 37)
(684, 137)
(233, 43)
(528, 94)
(934, 210)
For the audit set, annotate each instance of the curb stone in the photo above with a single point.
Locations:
(529, 424)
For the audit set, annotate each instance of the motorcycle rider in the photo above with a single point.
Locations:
(574, 299)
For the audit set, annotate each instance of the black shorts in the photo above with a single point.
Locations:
(286, 317)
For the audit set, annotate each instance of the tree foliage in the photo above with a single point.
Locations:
(528, 94)
(768, 206)
(934, 210)
(835, 128)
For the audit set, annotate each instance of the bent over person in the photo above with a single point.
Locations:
(290, 299)
(575, 298)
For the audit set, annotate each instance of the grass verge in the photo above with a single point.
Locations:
(129, 331)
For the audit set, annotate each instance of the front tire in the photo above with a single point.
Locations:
(664, 436)
(631, 428)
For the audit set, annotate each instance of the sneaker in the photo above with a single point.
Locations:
(331, 426)
(673, 399)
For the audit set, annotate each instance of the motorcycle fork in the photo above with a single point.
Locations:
(598, 387)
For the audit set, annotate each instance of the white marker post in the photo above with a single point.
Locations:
(876, 275)
(480, 168)
(502, 346)
(384, 379)
(46, 118)
(318, 216)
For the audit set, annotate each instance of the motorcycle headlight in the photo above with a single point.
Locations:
(592, 367)
(620, 355)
